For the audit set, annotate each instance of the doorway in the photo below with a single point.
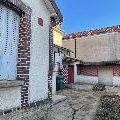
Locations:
(71, 74)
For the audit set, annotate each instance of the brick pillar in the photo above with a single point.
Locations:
(24, 56)
(50, 60)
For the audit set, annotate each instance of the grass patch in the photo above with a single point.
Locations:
(109, 108)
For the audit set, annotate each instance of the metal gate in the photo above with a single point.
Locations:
(9, 36)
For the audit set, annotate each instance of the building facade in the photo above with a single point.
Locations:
(26, 52)
(99, 54)
(61, 57)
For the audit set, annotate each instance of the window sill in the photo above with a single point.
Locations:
(10, 83)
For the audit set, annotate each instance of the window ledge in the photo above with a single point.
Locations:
(10, 83)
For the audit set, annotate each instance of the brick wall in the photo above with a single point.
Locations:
(116, 70)
(65, 73)
(87, 70)
(50, 59)
(93, 70)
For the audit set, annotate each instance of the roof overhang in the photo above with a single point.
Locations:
(72, 60)
(54, 10)
(101, 63)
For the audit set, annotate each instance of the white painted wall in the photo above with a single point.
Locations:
(38, 88)
(116, 81)
(58, 62)
(75, 72)
(105, 74)
(86, 79)
(55, 73)
(10, 97)
(58, 58)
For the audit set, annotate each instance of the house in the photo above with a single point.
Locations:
(62, 58)
(26, 46)
(98, 52)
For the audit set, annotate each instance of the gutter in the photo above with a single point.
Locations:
(57, 10)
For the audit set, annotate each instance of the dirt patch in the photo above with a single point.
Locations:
(109, 108)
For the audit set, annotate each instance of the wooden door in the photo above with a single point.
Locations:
(71, 74)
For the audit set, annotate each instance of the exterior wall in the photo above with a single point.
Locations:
(110, 75)
(65, 72)
(96, 48)
(34, 55)
(57, 36)
(10, 97)
(23, 56)
(88, 70)
(116, 81)
(57, 66)
(55, 73)
(70, 44)
(38, 88)
(102, 47)
(83, 79)
(105, 75)
(85, 74)
(116, 75)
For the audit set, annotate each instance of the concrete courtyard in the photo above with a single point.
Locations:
(80, 104)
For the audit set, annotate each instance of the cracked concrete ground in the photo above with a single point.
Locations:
(79, 105)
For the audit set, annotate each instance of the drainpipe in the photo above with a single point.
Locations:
(75, 48)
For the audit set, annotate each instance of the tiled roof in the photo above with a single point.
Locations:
(57, 10)
(93, 32)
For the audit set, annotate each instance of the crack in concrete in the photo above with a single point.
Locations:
(74, 111)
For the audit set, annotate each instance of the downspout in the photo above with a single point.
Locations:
(75, 48)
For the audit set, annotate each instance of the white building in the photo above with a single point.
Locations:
(26, 46)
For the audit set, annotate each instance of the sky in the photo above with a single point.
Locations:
(83, 15)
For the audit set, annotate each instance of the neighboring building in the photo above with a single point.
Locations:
(99, 54)
(57, 35)
(62, 59)
(26, 47)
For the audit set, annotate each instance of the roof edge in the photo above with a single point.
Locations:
(57, 10)
(93, 32)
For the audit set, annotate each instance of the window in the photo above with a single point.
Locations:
(9, 36)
